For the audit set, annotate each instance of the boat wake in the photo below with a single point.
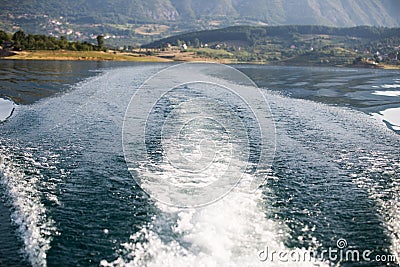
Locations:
(26, 188)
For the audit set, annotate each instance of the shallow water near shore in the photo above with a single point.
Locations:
(68, 198)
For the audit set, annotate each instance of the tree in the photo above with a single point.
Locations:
(63, 42)
(19, 36)
(4, 37)
(19, 40)
(100, 41)
(31, 41)
(196, 43)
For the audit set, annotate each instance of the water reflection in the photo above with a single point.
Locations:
(25, 82)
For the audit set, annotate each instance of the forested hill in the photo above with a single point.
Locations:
(294, 45)
(145, 20)
(251, 35)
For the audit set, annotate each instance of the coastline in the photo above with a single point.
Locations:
(61, 55)
(82, 55)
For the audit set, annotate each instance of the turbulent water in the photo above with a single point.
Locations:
(69, 199)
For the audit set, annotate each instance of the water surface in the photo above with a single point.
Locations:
(69, 199)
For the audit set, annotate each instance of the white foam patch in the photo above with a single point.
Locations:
(390, 86)
(21, 183)
(230, 232)
(6, 109)
(387, 93)
(391, 115)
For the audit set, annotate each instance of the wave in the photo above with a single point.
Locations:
(33, 145)
(230, 232)
(22, 178)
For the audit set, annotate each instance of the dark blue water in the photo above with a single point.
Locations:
(69, 199)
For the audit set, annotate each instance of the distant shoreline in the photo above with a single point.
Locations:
(82, 55)
(61, 55)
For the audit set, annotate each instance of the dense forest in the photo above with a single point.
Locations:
(294, 44)
(21, 41)
(252, 35)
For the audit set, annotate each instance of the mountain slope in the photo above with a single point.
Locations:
(123, 17)
(332, 12)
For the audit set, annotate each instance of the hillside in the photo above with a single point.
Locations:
(293, 45)
(147, 20)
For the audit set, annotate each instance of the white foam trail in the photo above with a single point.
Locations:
(230, 232)
(28, 213)
(388, 200)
